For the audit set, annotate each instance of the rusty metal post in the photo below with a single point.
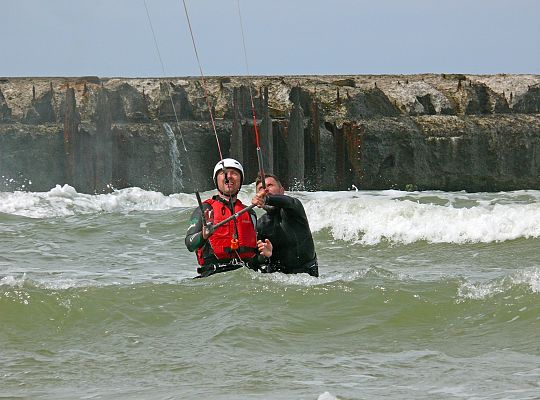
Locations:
(237, 144)
(267, 135)
(103, 144)
(295, 143)
(340, 157)
(71, 124)
(313, 148)
(354, 136)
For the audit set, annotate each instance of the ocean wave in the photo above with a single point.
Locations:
(370, 293)
(62, 201)
(526, 281)
(397, 217)
(367, 218)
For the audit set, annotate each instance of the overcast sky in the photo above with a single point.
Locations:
(109, 38)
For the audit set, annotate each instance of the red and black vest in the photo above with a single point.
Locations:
(220, 240)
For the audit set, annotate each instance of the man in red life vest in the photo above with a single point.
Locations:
(234, 244)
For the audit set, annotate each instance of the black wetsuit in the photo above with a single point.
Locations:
(212, 265)
(286, 225)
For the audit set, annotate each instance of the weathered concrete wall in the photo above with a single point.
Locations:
(447, 132)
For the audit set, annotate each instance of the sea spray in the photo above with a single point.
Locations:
(177, 182)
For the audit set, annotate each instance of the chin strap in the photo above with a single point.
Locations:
(228, 196)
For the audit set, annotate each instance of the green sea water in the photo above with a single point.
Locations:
(421, 296)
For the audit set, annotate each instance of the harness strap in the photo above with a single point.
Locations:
(311, 268)
(210, 269)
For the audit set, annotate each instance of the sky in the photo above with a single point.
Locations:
(115, 38)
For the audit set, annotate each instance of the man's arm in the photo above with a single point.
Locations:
(283, 201)
(194, 237)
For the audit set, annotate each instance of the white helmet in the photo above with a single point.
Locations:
(228, 163)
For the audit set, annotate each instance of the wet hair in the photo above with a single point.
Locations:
(259, 180)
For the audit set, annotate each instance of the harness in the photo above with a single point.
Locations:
(311, 268)
(210, 269)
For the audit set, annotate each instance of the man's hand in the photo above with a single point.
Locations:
(260, 198)
(208, 222)
(265, 248)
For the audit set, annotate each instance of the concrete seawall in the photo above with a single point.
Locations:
(445, 132)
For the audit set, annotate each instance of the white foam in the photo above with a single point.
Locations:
(370, 218)
(530, 277)
(12, 281)
(364, 217)
(327, 396)
(65, 201)
(479, 291)
(483, 290)
(56, 284)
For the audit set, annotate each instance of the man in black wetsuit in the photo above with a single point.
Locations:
(233, 244)
(286, 225)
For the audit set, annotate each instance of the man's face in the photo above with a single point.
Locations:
(233, 184)
(272, 186)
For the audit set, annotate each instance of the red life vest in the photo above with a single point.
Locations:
(220, 240)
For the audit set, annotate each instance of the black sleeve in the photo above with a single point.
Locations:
(284, 201)
(194, 238)
(257, 262)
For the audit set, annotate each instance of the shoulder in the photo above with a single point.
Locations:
(206, 205)
(210, 201)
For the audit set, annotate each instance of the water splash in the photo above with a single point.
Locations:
(297, 185)
(177, 182)
(18, 183)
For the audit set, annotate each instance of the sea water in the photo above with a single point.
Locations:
(421, 295)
